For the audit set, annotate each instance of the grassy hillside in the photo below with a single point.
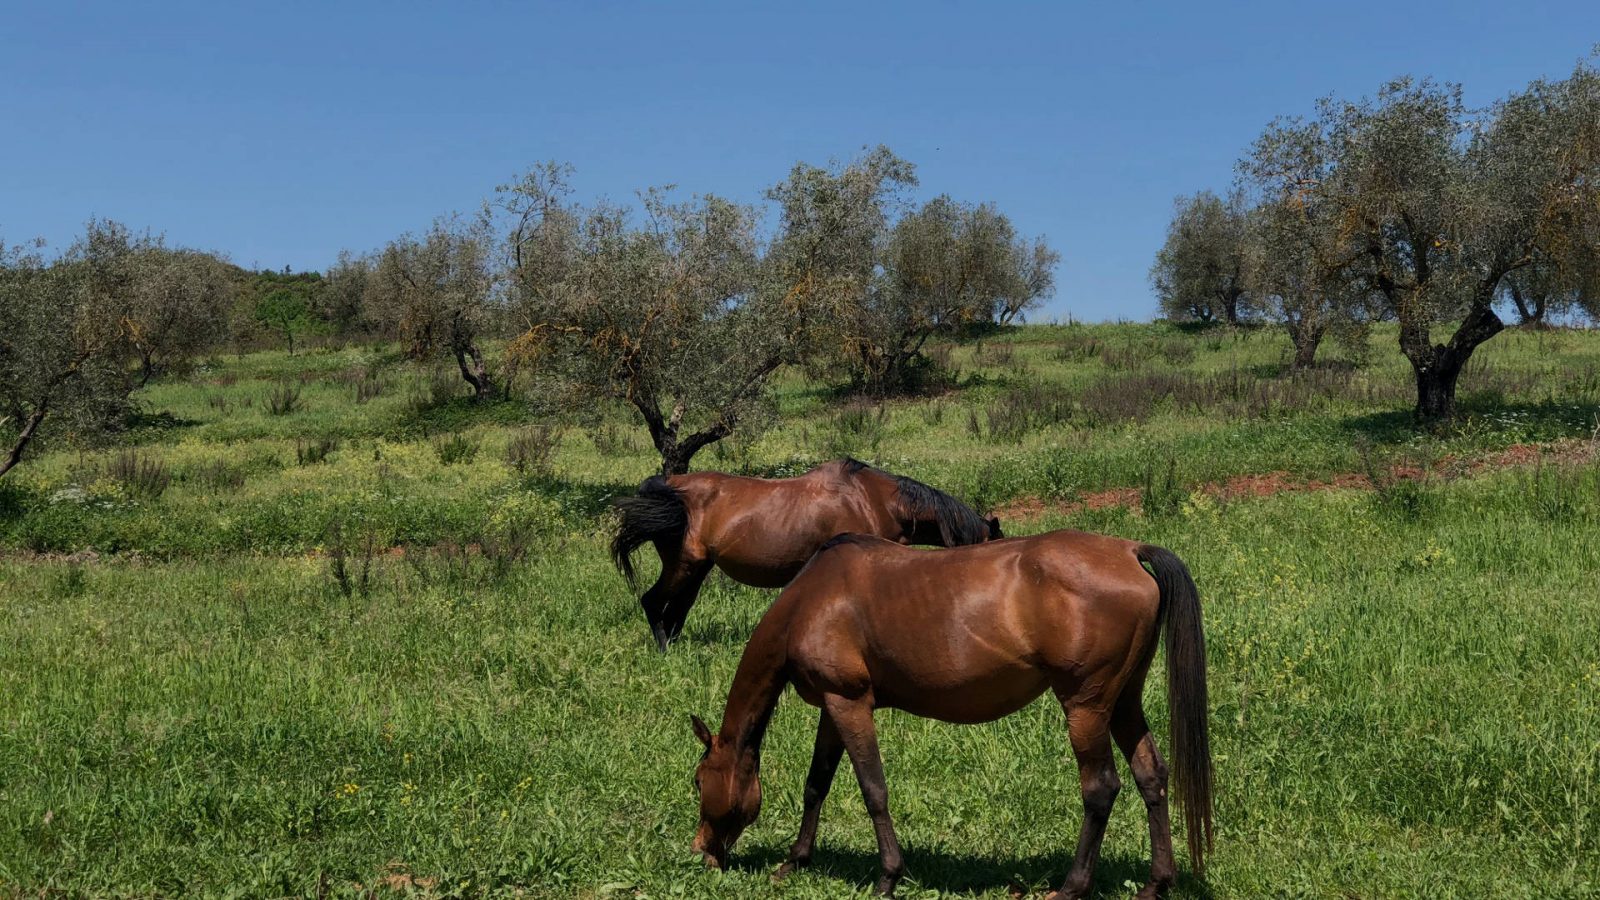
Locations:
(193, 699)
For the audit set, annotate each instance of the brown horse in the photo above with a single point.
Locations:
(971, 635)
(761, 531)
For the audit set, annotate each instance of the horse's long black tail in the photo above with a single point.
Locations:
(1186, 697)
(655, 513)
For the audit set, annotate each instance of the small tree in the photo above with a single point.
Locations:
(344, 299)
(1199, 273)
(664, 315)
(177, 306)
(1033, 280)
(434, 293)
(946, 265)
(1296, 267)
(868, 287)
(285, 311)
(61, 342)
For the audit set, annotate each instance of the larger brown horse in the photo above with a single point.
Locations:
(761, 531)
(971, 635)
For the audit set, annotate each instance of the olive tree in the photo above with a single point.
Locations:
(435, 291)
(1297, 269)
(826, 258)
(869, 282)
(176, 306)
(946, 265)
(660, 309)
(1441, 206)
(1199, 272)
(344, 298)
(62, 349)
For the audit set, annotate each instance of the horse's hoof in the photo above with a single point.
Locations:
(784, 871)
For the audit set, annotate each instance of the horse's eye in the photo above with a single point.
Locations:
(697, 784)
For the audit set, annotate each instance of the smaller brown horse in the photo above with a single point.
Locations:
(971, 635)
(761, 531)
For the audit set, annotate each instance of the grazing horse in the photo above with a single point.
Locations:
(761, 531)
(971, 635)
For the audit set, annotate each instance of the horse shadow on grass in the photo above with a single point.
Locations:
(941, 870)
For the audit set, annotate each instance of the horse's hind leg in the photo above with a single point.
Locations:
(1133, 735)
(667, 601)
(678, 597)
(1097, 775)
(824, 762)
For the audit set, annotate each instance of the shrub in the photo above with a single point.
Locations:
(1020, 410)
(1399, 488)
(283, 399)
(1077, 346)
(219, 475)
(370, 385)
(1128, 398)
(610, 440)
(855, 427)
(531, 449)
(139, 476)
(1161, 494)
(307, 454)
(997, 355)
(457, 448)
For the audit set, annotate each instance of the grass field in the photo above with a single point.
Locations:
(1405, 680)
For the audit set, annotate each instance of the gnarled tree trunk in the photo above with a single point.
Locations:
(1438, 366)
(474, 370)
(1306, 339)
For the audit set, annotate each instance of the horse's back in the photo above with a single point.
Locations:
(971, 633)
(762, 531)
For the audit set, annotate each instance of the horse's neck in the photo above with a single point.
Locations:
(759, 681)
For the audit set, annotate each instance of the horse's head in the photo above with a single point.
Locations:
(730, 796)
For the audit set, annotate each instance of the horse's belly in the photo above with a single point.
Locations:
(983, 698)
(761, 573)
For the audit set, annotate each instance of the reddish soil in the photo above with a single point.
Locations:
(1269, 483)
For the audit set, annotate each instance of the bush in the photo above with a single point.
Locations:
(219, 475)
(531, 449)
(1076, 347)
(1020, 410)
(139, 476)
(283, 399)
(1161, 494)
(610, 440)
(370, 386)
(855, 428)
(307, 454)
(457, 448)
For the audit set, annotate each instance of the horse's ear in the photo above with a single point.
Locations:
(994, 528)
(700, 730)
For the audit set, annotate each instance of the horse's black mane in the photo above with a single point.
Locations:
(958, 523)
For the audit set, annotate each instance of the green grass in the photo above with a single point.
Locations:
(1405, 694)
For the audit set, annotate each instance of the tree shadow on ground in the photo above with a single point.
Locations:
(942, 870)
(1532, 421)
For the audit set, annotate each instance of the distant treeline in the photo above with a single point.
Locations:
(1409, 208)
(682, 308)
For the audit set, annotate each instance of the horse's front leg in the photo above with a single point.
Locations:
(853, 719)
(824, 762)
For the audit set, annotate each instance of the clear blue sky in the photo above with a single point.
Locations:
(279, 133)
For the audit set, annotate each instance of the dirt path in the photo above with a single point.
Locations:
(1565, 452)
